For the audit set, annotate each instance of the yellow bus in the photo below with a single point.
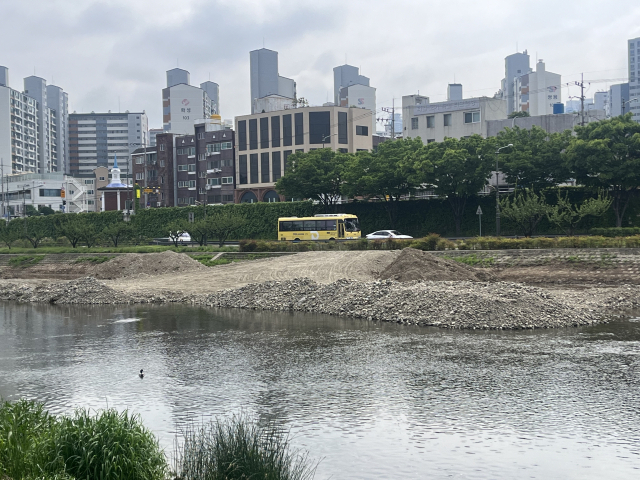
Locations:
(336, 226)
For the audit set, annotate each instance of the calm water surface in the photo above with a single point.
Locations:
(368, 400)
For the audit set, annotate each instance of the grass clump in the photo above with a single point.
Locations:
(473, 260)
(95, 260)
(238, 448)
(22, 261)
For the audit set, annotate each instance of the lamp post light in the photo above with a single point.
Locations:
(625, 102)
(498, 191)
(325, 137)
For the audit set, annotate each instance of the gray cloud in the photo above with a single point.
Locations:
(100, 51)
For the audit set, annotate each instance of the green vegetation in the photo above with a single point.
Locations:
(96, 260)
(25, 260)
(473, 260)
(616, 232)
(238, 448)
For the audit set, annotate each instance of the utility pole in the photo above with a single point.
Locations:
(581, 85)
(392, 111)
(2, 187)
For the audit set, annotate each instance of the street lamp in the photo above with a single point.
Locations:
(325, 137)
(628, 101)
(498, 191)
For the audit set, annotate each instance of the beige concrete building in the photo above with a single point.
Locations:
(433, 122)
(264, 142)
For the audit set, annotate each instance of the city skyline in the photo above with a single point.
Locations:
(114, 56)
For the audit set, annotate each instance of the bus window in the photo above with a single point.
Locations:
(285, 226)
(330, 225)
(297, 225)
(310, 225)
(352, 225)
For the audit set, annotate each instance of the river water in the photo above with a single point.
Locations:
(367, 400)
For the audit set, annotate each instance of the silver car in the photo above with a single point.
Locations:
(384, 234)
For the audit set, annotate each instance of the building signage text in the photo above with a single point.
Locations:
(432, 108)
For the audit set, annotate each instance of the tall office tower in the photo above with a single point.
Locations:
(454, 92)
(213, 90)
(633, 104)
(30, 127)
(265, 79)
(96, 138)
(515, 66)
(350, 89)
(58, 101)
(618, 98)
(184, 104)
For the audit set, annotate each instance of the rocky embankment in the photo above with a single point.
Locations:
(447, 304)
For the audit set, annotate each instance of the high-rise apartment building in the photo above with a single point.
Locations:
(266, 81)
(618, 99)
(184, 104)
(634, 78)
(33, 127)
(536, 92)
(96, 138)
(350, 89)
(515, 66)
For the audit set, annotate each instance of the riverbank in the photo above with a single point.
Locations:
(408, 287)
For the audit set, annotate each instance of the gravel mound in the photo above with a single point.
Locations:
(461, 304)
(412, 264)
(85, 290)
(147, 264)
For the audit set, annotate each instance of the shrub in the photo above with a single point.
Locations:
(616, 231)
(239, 448)
(25, 260)
(109, 445)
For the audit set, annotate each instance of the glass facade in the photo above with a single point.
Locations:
(264, 132)
(275, 131)
(243, 170)
(275, 166)
(287, 131)
(319, 127)
(253, 168)
(299, 118)
(343, 136)
(264, 167)
(253, 134)
(242, 135)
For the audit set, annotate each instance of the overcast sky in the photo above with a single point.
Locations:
(102, 52)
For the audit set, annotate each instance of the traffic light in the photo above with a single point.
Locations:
(64, 202)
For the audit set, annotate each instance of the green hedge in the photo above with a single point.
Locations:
(615, 231)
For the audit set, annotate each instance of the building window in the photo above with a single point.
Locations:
(287, 132)
(299, 123)
(88, 182)
(187, 184)
(343, 136)
(431, 140)
(139, 176)
(362, 130)
(162, 163)
(49, 192)
(162, 147)
(139, 160)
(183, 168)
(202, 174)
(227, 180)
(242, 169)
(447, 119)
(431, 121)
(472, 117)
(202, 156)
(242, 135)
(227, 198)
(213, 164)
(414, 123)
(286, 158)
(253, 168)
(101, 179)
(275, 131)
(275, 164)
(226, 163)
(213, 181)
(214, 147)
(200, 136)
(264, 132)
(191, 151)
(253, 134)
(90, 192)
(161, 180)
(226, 146)
(319, 127)
(191, 167)
(264, 166)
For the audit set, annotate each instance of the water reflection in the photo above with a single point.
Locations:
(376, 401)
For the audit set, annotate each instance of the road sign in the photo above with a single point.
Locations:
(479, 211)
(148, 190)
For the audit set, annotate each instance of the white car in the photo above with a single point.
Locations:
(182, 238)
(384, 234)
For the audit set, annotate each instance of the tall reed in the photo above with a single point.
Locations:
(238, 448)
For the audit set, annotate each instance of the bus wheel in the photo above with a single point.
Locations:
(332, 239)
(296, 240)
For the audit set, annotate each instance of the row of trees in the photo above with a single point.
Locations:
(602, 155)
(81, 229)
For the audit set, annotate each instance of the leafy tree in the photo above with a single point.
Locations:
(459, 170)
(535, 161)
(31, 211)
(518, 114)
(223, 223)
(315, 175)
(606, 154)
(116, 232)
(176, 229)
(37, 229)
(525, 209)
(199, 231)
(44, 210)
(567, 216)
(71, 226)
(386, 174)
(9, 232)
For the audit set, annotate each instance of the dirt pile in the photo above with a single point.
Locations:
(412, 264)
(146, 264)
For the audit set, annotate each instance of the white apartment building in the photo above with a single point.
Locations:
(264, 142)
(634, 78)
(433, 122)
(33, 127)
(183, 104)
(95, 139)
(536, 92)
